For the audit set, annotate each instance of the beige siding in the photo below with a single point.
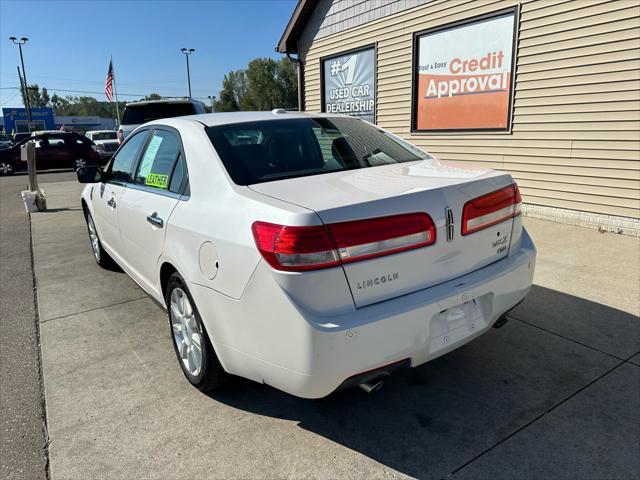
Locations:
(575, 140)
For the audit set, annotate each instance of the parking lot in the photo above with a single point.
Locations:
(554, 393)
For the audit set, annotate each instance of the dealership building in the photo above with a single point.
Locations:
(15, 120)
(548, 90)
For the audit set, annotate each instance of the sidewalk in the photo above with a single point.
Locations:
(554, 393)
(22, 428)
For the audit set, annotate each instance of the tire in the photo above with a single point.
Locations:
(6, 168)
(79, 163)
(102, 258)
(206, 374)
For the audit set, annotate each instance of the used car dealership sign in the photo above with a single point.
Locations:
(465, 76)
(349, 84)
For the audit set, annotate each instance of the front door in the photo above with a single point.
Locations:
(145, 207)
(105, 197)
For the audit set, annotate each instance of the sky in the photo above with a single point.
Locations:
(70, 43)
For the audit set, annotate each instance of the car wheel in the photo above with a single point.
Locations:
(191, 342)
(102, 258)
(79, 163)
(6, 168)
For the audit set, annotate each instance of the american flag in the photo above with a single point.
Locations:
(108, 86)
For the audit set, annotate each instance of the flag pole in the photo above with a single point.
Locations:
(115, 92)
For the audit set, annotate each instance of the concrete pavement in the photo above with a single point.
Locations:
(553, 393)
(22, 425)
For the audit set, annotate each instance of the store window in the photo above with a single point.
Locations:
(463, 75)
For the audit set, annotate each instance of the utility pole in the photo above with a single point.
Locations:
(27, 103)
(187, 52)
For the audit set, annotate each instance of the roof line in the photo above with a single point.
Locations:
(289, 40)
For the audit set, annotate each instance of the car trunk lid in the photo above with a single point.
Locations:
(430, 186)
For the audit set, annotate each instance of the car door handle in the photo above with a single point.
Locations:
(112, 203)
(155, 220)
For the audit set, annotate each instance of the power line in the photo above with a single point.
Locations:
(101, 93)
(11, 97)
(157, 84)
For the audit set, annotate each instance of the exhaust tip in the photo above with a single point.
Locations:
(371, 387)
(501, 322)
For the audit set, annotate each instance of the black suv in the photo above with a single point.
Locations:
(137, 113)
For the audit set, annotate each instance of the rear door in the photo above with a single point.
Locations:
(106, 197)
(47, 150)
(146, 205)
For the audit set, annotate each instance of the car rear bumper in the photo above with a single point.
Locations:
(264, 336)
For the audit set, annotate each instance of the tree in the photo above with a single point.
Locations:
(264, 85)
(287, 77)
(152, 96)
(37, 98)
(60, 105)
(234, 89)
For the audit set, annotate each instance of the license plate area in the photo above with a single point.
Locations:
(456, 323)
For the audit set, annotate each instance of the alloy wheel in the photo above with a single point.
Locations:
(5, 168)
(93, 236)
(79, 163)
(186, 332)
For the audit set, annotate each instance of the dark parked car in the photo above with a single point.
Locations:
(18, 137)
(53, 150)
(137, 113)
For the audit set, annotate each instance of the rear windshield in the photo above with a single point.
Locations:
(104, 135)
(263, 151)
(136, 114)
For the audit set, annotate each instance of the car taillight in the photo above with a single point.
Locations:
(490, 209)
(311, 248)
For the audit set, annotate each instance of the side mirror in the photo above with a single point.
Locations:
(90, 174)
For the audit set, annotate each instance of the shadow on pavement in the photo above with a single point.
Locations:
(55, 210)
(429, 421)
(44, 172)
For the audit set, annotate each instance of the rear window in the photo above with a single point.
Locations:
(263, 151)
(137, 114)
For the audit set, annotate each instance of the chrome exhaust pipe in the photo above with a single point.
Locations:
(372, 386)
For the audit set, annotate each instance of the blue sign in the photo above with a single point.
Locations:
(15, 119)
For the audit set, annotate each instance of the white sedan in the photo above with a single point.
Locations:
(307, 252)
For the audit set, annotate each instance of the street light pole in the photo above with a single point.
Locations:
(27, 103)
(187, 52)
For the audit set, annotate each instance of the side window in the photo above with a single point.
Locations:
(158, 160)
(56, 142)
(179, 176)
(122, 164)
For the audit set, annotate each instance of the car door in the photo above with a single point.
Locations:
(45, 152)
(106, 195)
(59, 152)
(146, 206)
(78, 147)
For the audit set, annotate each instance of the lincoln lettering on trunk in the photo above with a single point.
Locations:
(374, 282)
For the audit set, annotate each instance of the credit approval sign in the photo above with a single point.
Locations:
(349, 83)
(464, 75)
